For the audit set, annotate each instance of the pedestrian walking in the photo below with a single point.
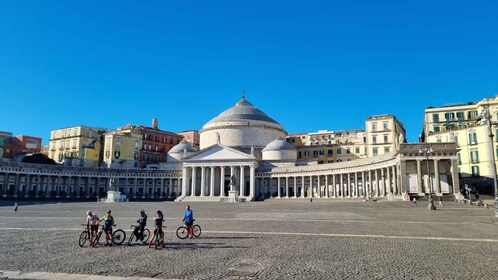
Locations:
(15, 207)
(440, 201)
(414, 201)
(311, 199)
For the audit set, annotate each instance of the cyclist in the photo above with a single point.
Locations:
(158, 221)
(188, 218)
(142, 222)
(108, 223)
(91, 224)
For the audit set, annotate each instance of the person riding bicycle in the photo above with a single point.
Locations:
(188, 218)
(142, 222)
(108, 223)
(92, 224)
(158, 221)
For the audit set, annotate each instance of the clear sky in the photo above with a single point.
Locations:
(310, 65)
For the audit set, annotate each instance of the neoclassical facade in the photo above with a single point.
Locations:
(244, 143)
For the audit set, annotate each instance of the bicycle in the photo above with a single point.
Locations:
(146, 235)
(183, 231)
(84, 236)
(157, 241)
(118, 236)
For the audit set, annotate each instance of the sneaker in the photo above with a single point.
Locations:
(107, 244)
(110, 245)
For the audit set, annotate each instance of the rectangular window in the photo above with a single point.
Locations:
(385, 125)
(348, 151)
(330, 152)
(472, 138)
(459, 158)
(386, 139)
(357, 150)
(437, 129)
(339, 151)
(435, 117)
(374, 139)
(460, 116)
(387, 149)
(475, 170)
(474, 156)
(117, 154)
(107, 154)
(306, 153)
(90, 133)
(322, 152)
(455, 137)
(472, 115)
(67, 144)
(315, 153)
(330, 161)
(74, 144)
(449, 116)
(375, 151)
(299, 155)
(374, 126)
(118, 143)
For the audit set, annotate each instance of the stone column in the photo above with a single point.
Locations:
(302, 187)
(184, 181)
(389, 184)
(222, 181)
(334, 190)
(369, 187)
(356, 189)
(57, 187)
(419, 178)
(252, 187)
(454, 176)
(382, 184)
(242, 181)
(194, 181)
(394, 180)
(349, 184)
(211, 181)
(437, 179)
(287, 187)
(341, 185)
(311, 186)
(327, 191)
(363, 184)
(279, 195)
(78, 188)
(203, 181)
(135, 187)
(6, 182)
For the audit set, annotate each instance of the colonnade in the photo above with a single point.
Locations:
(36, 185)
(371, 183)
(214, 181)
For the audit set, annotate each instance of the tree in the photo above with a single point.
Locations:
(39, 159)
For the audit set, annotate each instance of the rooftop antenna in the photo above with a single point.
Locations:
(243, 94)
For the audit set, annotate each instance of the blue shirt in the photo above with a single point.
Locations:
(188, 216)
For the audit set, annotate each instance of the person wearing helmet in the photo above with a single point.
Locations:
(108, 224)
(142, 222)
(158, 221)
(91, 224)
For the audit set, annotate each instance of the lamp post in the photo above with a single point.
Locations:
(487, 116)
(427, 150)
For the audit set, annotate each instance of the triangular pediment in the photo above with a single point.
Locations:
(218, 153)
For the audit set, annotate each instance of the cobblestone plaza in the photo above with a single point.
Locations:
(275, 239)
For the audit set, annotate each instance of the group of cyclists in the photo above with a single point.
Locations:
(93, 223)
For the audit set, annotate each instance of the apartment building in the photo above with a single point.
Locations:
(466, 126)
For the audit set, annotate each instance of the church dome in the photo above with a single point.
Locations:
(278, 145)
(242, 110)
(279, 150)
(182, 147)
(241, 126)
(179, 151)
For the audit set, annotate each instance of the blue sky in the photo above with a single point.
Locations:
(310, 65)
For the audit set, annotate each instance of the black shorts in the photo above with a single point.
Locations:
(108, 230)
(189, 224)
(93, 228)
(158, 230)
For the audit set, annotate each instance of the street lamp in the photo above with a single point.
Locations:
(487, 116)
(427, 150)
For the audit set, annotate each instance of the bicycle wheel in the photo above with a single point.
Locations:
(83, 238)
(96, 239)
(146, 235)
(197, 230)
(182, 232)
(118, 237)
(131, 239)
(157, 243)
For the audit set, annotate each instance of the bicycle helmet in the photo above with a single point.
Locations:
(108, 211)
(88, 212)
(142, 211)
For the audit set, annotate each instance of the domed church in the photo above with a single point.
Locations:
(239, 142)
